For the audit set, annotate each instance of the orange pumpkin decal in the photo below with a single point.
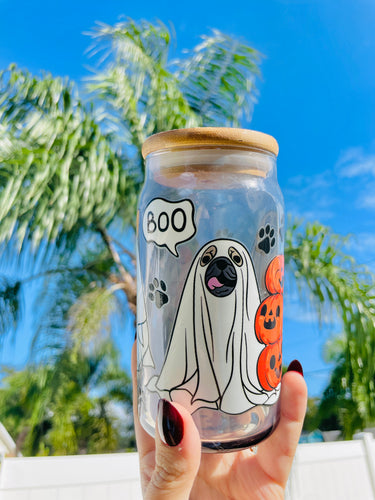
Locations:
(275, 275)
(270, 366)
(269, 319)
(268, 326)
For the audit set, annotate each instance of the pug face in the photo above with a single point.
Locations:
(221, 276)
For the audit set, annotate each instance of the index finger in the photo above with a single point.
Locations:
(276, 454)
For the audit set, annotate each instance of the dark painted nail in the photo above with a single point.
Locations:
(170, 423)
(295, 366)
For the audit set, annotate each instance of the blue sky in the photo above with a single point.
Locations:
(316, 96)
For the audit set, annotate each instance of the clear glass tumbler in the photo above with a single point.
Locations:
(210, 282)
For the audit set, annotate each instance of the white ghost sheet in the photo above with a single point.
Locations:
(211, 360)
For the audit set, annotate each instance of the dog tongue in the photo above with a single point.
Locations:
(214, 283)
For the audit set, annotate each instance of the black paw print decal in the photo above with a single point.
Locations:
(157, 292)
(267, 238)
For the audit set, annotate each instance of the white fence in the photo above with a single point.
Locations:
(341, 470)
(322, 471)
(86, 477)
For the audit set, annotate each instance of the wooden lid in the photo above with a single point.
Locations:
(210, 136)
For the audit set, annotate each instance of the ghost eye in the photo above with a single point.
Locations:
(208, 255)
(235, 256)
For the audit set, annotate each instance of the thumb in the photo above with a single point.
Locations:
(178, 453)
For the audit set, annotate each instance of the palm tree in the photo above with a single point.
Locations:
(76, 404)
(336, 409)
(340, 290)
(79, 171)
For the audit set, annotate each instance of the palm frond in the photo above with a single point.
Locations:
(139, 93)
(89, 316)
(58, 171)
(218, 79)
(64, 406)
(318, 260)
(337, 408)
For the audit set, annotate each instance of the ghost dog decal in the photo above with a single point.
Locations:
(212, 357)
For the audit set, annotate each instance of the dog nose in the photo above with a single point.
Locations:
(221, 264)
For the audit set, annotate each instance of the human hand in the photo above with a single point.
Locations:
(173, 467)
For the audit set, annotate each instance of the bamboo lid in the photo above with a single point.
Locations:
(208, 137)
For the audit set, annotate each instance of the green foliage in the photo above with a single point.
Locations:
(59, 172)
(143, 93)
(336, 409)
(218, 79)
(139, 94)
(342, 290)
(88, 317)
(311, 422)
(77, 404)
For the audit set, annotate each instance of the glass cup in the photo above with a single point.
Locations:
(210, 283)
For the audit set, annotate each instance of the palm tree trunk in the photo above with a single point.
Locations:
(128, 282)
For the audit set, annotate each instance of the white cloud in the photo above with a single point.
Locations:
(347, 187)
(367, 239)
(298, 307)
(367, 199)
(355, 163)
(362, 247)
(311, 197)
(299, 314)
(358, 168)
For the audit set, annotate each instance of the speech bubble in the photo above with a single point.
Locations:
(169, 223)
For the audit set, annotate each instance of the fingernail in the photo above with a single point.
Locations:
(170, 423)
(295, 366)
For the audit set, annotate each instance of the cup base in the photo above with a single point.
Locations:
(237, 444)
